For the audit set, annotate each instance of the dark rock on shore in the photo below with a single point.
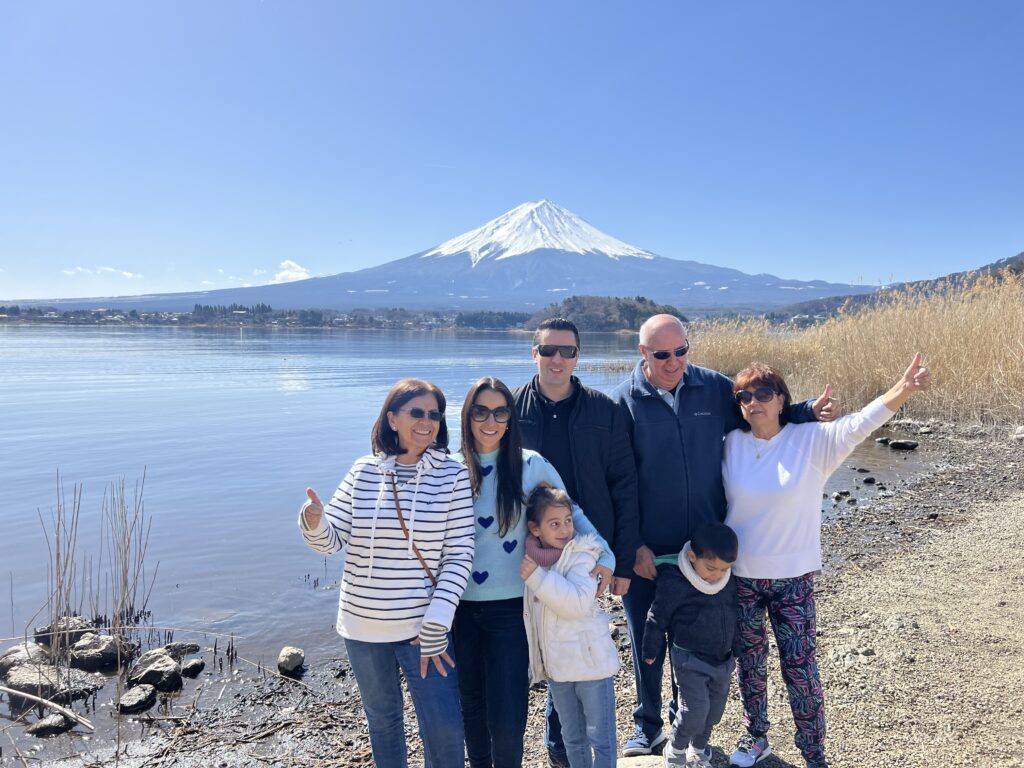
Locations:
(903, 445)
(179, 651)
(99, 652)
(48, 682)
(17, 655)
(67, 629)
(290, 660)
(50, 726)
(137, 699)
(193, 668)
(157, 668)
(882, 440)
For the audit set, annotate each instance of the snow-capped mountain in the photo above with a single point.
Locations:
(536, 254)
(543, 226)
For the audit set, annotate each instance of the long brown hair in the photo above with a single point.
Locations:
(383, 439)
(509, 463)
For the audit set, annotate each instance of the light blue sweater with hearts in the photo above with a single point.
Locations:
(496, 560)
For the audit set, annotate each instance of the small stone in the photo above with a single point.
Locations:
(137, 699)
(179, 651)
(851, 501)
(933, 515)
(95, 652)
(882, 440)
(924, 431)
(290, 660)
(157, 668)
(50, 726)
(903, 445)
(193, 668)
(869, 480)
(862, 470)
(67, 629)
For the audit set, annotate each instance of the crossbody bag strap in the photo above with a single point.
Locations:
(405, 530)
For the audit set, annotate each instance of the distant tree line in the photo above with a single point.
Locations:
(604, 313)
(485, 320)
(210, 311)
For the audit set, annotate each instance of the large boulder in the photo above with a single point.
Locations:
(20, 654)
(157, 668)
(46, 681)
(95, 652)
(68, 629)
(290, 660)
(137, 699)
(181, 650)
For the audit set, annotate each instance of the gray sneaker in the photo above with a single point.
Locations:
(750, 750)
(674, 758)
(640, 744)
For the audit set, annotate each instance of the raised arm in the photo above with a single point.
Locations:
(916, 378)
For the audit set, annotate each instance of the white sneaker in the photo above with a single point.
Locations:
(750, 750)
(697, 758)
(639, 744)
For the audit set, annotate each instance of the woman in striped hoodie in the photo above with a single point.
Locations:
(404, 516)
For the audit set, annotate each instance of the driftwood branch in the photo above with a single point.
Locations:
(66, 712)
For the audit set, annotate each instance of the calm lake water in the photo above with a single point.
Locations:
(229, 427)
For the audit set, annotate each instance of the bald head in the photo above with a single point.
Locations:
(655, 324)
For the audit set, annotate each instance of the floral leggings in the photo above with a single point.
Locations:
(789, 604)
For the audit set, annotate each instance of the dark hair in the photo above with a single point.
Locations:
(763, 375)
(383, 439)
(543, 496)
(556, 324)
(715, 540)
(509, 464)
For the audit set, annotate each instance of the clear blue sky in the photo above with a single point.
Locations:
(168, 146)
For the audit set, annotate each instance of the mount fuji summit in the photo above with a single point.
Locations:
(534, 255)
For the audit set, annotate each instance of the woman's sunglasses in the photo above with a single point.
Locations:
(419, 413)
(665, 354)
(568, 351)
(761, 394)
(481, 413)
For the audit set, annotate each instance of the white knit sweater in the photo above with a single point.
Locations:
(773, 490)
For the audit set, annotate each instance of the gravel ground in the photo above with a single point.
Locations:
(919, 608)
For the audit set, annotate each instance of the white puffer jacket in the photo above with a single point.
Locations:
(567, 631)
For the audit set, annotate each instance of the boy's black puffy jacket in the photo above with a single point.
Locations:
(703, 624)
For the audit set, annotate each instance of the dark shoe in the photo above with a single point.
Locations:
(557, 758)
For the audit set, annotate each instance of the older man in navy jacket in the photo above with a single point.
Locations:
(677, 414)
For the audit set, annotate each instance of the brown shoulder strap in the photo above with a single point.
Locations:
(405, 530)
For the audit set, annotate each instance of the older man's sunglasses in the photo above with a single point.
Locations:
(419, 413)
(665, 354)
(568, 351)
(761, 394)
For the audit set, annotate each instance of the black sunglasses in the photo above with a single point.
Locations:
(761, 394)
(481, 413)
(419, 413)
(568, 351)
(665, 354)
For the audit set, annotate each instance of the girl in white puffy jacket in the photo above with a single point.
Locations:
(568, 633)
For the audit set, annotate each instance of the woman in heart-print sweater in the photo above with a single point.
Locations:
(489, 634)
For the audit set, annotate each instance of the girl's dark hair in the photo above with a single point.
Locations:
(509, 463)
(542, 497)
(763, 375)
(715, 540)
(383, 439)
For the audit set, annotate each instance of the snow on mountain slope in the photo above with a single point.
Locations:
(533, 227)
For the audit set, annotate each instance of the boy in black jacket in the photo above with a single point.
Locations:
(695, 602)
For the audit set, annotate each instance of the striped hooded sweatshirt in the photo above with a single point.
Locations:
(385, 594)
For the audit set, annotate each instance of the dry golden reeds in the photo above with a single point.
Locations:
(972, 339)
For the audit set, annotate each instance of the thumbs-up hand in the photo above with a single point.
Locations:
(917, 376)
(826, 407)
(313, 509)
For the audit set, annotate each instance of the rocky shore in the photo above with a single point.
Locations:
(919, 610)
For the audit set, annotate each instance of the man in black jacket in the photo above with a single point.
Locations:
(582, 432)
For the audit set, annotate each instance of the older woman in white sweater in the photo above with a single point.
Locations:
(774, 475)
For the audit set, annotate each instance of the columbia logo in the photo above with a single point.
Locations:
(702, 413)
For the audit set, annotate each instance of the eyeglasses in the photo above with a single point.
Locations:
(568, 351)
(761, 394)
(481, 413)
(419, 413)
(665, 354)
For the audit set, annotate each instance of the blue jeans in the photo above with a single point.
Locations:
(587, 713)
(435, 699)
(493, 658)
(647, 677)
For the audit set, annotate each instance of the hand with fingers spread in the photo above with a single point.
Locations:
(826, 407)
(313, 509)
(438, 660)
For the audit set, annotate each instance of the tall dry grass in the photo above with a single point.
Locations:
(972, 339)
